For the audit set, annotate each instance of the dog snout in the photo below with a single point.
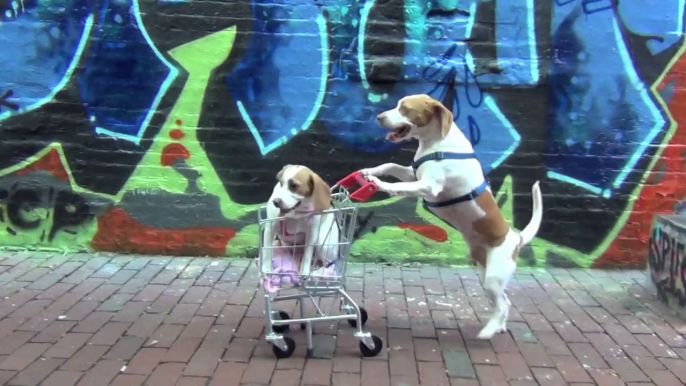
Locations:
(278, 203)
(381, 117)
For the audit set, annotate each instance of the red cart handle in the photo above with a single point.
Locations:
(365, 192)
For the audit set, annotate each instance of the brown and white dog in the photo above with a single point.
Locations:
(302, 198)
(450, 180)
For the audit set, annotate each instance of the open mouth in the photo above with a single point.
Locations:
(398, 134)
(283, 212)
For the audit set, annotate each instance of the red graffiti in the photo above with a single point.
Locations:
(50, 163)
(429, 231)
(179, 122)
(173, 152)
(176, 134)
(663, 190)
(121, 233)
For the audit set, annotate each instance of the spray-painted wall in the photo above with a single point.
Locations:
(157, 126)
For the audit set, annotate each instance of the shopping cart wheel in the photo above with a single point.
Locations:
(290, 344)
(367, 352)
(283, 315)
(353, 322)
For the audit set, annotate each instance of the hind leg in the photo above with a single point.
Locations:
(499, 270)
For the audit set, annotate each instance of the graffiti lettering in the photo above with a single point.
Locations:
(667, 261)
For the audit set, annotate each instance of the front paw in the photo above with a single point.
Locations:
(369, 172)
(382, 186)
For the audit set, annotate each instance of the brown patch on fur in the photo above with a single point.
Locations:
(321, 193)
(479, 255)
(308, 184)
(421, 109)
(515, 253)
(492, 227)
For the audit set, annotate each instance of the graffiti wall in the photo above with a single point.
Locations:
(157, 126)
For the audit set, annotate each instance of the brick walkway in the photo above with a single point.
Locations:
(120, 320)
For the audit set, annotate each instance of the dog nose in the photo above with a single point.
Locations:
(381, 116)
(277, 202)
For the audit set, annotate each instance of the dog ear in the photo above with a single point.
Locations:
(445, 116)
(321, 193)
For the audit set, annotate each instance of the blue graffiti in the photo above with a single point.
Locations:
(124, 77)
(436, 61)
(44, 43)
(602, 117)
(280, 82)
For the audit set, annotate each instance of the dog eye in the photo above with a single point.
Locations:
(292, 185)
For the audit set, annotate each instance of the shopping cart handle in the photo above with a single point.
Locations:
(364, 193)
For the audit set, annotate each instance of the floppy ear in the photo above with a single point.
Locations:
(280, 173)
(445, 117)
(321, 193)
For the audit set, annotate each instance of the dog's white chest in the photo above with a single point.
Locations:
(292, 230)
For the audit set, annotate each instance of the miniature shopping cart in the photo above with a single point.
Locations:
(283, 281)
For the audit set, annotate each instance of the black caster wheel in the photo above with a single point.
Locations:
(367, 352)
(283, 315)
(290, 344)
(353, 322)
(303, 326)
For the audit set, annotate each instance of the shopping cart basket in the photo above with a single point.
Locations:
(282, 284)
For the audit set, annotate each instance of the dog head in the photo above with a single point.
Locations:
(300, 187)
(416, 116)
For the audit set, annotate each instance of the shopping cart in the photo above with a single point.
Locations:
(283, 284)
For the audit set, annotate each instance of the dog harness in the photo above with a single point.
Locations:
(439, 156)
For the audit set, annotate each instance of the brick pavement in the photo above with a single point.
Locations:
(124, 320)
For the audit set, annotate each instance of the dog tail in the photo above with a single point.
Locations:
(531, 229)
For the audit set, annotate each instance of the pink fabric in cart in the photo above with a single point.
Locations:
(286, 268)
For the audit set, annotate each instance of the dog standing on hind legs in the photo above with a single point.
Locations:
(447, 175)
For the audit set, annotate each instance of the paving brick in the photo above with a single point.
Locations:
(514, 366)
(548, 377)
(68, 345)
(375, 373)
(14, 340)
(145, 325)
(102, 373)
(54, 332)
(588, 356)
(204, 361)
(93, 322)
(228, 374)
(571, 369)
(165, 374)
(145, 360)
(128, 380)
(36, 372)
(182, 350)
(490, 375)
(85, 358)
(432, 374)
(259, 371)
(23, 356)
(165, 335)
(62, 378)
(110, 333)
(125, 348)
(458, 364)
(317, 372)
